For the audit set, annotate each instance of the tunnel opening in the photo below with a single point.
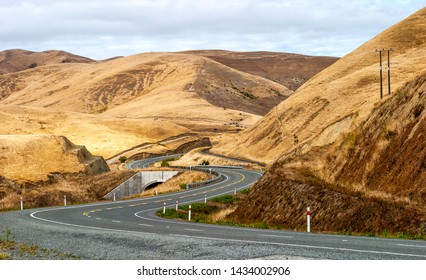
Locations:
(152, 185)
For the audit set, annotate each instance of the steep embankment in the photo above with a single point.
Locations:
(288, 69)
(18, 60)
(36, 157)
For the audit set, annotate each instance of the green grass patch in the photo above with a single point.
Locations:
(227, 199)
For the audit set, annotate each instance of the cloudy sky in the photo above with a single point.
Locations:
(104, 28)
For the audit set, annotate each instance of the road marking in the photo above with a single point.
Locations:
(277, 236)
(146, 225)
(162, 200)
(300, 246)
(112, 208)
(344, 240)
(409, 245)
(99, 219)
(137, 204)
(114, 221)
(193, 229)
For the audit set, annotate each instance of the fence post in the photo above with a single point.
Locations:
(308, 219)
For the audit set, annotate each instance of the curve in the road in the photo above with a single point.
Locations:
(139, 216)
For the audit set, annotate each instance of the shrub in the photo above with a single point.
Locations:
(122, 159)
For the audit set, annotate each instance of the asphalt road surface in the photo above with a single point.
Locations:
(131, 230)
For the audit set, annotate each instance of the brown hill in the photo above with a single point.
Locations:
(290, 70)
(164, 85)
(35, 157)
(18, 60)
(360, 161)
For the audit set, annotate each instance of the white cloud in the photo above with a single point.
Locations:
(102, 29)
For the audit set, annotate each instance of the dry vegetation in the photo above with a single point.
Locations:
(290, 70)
(282, 204)
(18, 60)
(35, 157)
(79, 188)
(336, 100)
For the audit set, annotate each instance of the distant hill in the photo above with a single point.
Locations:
(179, 87)
(288, 69)
(18, 60)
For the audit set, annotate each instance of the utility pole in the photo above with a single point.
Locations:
(381, 70)
(381, 75)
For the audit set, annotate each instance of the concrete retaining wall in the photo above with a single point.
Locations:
(139, 182)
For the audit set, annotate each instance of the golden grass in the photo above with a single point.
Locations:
(79, 188)
(104, 136)
(34, 157)
(347, 89)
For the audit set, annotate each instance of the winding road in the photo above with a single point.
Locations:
(131, 230)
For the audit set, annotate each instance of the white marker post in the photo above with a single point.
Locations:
(308, 217)
(205, 198)
(235, 191)
(114, 196)
(164, 208)
(22, 204)
(65, 200)
(156, 193)
(177, 205)
(189, 213)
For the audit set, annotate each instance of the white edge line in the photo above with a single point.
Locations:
(299, 245)
(276, 236)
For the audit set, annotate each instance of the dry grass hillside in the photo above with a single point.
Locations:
(374, 182)
(18, 60)
(290, 70)
(35, 157)
(336, 100)
(360, 163)
(154, 79)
